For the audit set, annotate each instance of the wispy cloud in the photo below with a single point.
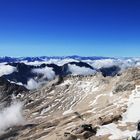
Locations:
(11, 116)
(47, 72)
(6, 69)
(76, 70)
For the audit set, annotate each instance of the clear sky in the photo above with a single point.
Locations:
(69, 27)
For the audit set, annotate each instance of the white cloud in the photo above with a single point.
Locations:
(58, 62)
(6, 69)
(47, 72)
(123, 63)
(32, 84)
(11, 116)
(36, 83)
(76, 70)
(35, 63)
(61, 62)
(103, 63)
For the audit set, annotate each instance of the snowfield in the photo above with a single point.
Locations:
(133, 111)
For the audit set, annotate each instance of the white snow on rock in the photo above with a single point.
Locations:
(131, 115)
(68, 112)
(114, 133)
(133, 112)
(66, 82)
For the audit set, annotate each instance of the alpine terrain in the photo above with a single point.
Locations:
(69, 98)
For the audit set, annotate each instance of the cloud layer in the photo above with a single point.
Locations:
(76, 70)
(35, 83)
(32, 84)
(46, 72)
(11, 116)
(39, 76)
(6, 69)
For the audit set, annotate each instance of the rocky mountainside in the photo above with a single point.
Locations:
(64, 106)
(9, 90)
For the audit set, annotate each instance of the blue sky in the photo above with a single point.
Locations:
(69, 27)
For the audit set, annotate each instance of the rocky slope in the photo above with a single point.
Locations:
(9, 90)
(58, 110)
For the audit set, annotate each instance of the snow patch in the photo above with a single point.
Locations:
(114, 132)
(68, 112)
(133, 113)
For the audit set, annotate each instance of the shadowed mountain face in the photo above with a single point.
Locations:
(8, 90)
(110, 71)
(25, 72)
(22, 74)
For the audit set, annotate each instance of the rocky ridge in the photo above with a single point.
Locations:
(67, 103)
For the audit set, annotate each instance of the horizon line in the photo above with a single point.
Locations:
(59, 56)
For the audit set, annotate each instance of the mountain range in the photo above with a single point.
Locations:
(44, 58)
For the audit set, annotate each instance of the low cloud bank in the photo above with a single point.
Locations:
(76, 70)
(47, 72)
(11, 116)
(122, 63)
(103, 63)
(32, 84)
(6, 69)
(58, 62)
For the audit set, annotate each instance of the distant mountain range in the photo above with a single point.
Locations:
(32, 72)
(44, 58)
